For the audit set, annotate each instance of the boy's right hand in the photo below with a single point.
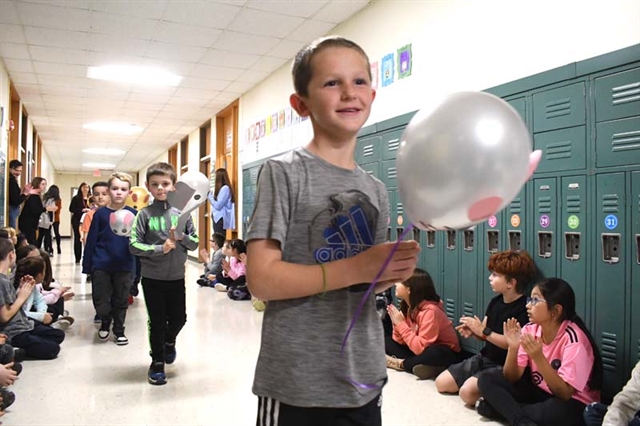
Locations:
(203, 255)
(400, 268)
(168, 245)
(512, 333)
(26, 287)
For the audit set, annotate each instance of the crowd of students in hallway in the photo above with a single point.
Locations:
(539, 364)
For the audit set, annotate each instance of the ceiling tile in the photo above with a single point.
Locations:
(175, 52)
(286, 49)
(53, 54)
(230, 59)
(118, 46)
(60, 69)
(123, 26)
(245, 43)
(239, 87)
(337, 11)
(144, 9)
(174, 67)
(55, 80)
(57, 38)
(24, 77)
(47, 16)
(211, 72)
(228, 96)
(189, 35)
(204, 83)
(304, 9)
(264, 23)
(268, 63)
(253, 76)
(18, 65)
(14, 50)
(195, 94)
(9, 13)
(311, 30)
(12, 34)
(205, 14)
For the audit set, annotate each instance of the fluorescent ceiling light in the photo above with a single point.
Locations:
(113, 127)
(138, 75)
(103, 151)
(99, 165)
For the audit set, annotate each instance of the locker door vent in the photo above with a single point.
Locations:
(431, 239)
(392, 173)
(544, 204)
(610, 203)
(609, 345)
(557, 108)
(393, 144)
(625, 141)
(367, 150)
(516, 206)
(468, 309)
(573, 204)
(450, 309)
(625, 93)
(400, 209)
(558, 150)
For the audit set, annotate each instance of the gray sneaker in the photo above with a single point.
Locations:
(61, 324)
(426, 372)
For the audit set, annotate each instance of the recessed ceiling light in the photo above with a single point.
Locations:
(113, 127)
(103, 151)
(99, 165)
(138, 75)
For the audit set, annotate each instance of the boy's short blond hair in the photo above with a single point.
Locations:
(302, 71)
(124, 177)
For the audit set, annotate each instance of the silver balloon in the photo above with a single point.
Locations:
(463, 161)
(191, 191)
(121, 222)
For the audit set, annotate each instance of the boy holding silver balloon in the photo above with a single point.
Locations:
(107, 258)
(162, 255)
(316, 242)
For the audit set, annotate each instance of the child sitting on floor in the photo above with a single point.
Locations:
(214, 266)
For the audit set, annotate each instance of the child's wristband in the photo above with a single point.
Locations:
(324, 279)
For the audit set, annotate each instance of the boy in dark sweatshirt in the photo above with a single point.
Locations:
(162, 257)
(108, 260)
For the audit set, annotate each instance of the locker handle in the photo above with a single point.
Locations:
(416, 234)
(399, 232)
(572, 245)
(611, 248)
(469, 237)
(388, 233)
(493, 241)
(638, 249)
(545, 244)
(515, 240)
(431, 239)
(451, 240)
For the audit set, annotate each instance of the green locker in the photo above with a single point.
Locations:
(368, 150)
(520, 105)
(492, 242)
(393, 216)
(634, 340)
(470, 282)
(430, 257)
(515, 222)
(618, 142)
(545, 227)
(391, 143)
(574, 234)
(372, 168)
(610, 291)
(616, 95)
(451, 277)
(401, 220)
(564, 149)
(559, 108)
(389, 173)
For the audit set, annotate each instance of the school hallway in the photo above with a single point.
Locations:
(98, 383)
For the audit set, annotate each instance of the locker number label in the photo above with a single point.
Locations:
(515, 220)
(493, 221)
(400, 220)
(611, 221)
(545, 221)
(573, 221)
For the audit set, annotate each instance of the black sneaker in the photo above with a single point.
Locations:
(8, 398)
(19, 354)
(170, 353)
(156, 373)
(17, 367)
(486, 410)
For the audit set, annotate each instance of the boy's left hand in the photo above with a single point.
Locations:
(172, 235)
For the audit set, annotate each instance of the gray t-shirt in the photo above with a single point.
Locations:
(319, 213)
(20, 322)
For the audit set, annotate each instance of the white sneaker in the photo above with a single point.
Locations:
(121, 340)
(220, 287)
(103, 334)
(61, 324)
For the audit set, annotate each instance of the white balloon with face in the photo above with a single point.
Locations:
(463, 161)
(191, 190)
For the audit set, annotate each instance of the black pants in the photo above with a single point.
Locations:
(166, 307)
(523, 401)
(56, 232)
(44, 235)
(440, 355)
(56, 309)
(218, 227)
(230, 282)
(77, 243)
(43, 342)
(275, 413)
(110, 297)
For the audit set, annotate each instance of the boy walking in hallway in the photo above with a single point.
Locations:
(107, 259)
(163, 258)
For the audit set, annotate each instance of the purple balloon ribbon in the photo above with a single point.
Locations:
(364, 300)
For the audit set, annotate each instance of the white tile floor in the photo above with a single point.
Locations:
(99, 383)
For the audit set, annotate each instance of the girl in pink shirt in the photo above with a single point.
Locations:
(423, 340)
(233, 271)
(553, 366)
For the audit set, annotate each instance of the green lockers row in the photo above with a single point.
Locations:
(578, 217)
